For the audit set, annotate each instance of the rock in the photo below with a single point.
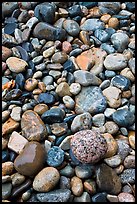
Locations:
(20, 80)
(76, 186)
(126, 197)
(131, 139)
(102, 35)
(109, 7)
(75, 88)
(46, 179)
(31, 160)
(111, 127)
(6, 179)
(6, 190)
(129, 161)
(46, 98)
(5, 115)
(99, 197)
(40, 108)
(17, 179)
(113, 161)
(8, 40)
(48, 32)
(55, 156)
(88, 146)
(67, 171)
(113, 96)
(60, 195)
(64, 182)
(128, 176)
(112, 145)
(131, 64)
(115, 62)
(5, 155)
(16, 113)
(84, 62)
(123, 149)
(120, 82)
(32, 126)
(85, 197)
(92, 25)
(45, 12)
(31, 22)
(17, 142)
(7, 168)
(123, 117)
(72, 27)
(9, 126)
(90, 186)
(4, 143)
(112, 198)
(26, 195)
(49, 52)
(66, 47)
(48, 80)
(107, 180)
(84, 171)
(81, 122)
(63, 89)
(74, 10)
(65, 144)
(98, 119)
(128, 74)
(55, 74)
(69, 66)
(54, 115)
(86, 78)
(120, 41)
(94, 101)
(108, 48)
(8, 8)
(13, 94)
(69, 102)
(6, 53)
(16, 65)
(59, 57)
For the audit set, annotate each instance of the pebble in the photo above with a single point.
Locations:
(123, 149)
(123, 117)
(98, 120)
(7, 168)
(5, 155)
(120, 41)
(17, 179)
(75, 88)
(104, 84)
(90, 186)
(55, 156)
(111, 144)
(49, 52)
(128, 74)
(55, 74)
(4, 143)
(20, 81)
(6, 179)
(131, 139)
(17, 142)
(31, 22)
(59, 57)
(46, 98)
(6, 190)
(6, 53)
(69, 102)
(131, 64)
(13, 94)
(37, 75)
(85, 197)
(8, 8)
(9, 126)
(54, 115)
(63, 89)
(48, 80)
(109, 7)
(84, 171)
(67, 171)
(94, 101)
(113, 161)
(16, 65)
(129, 161)
(40, 108)
(108, 48)
(65, 144)
(113, 96)
(5, 115)
(60, 195)
(32, 126)
(86, 78)
(126, 197)
(46, 179)
(107, 180)
(26, 195)
(112, 198)
(111, 127)
(92, 25)
(16, 114)
(99, 197)
(76, 186)
(115, 61)
(113, 23)
(31, 160)
(102, 35)
(4, 105)
(72, 27)
(81, 122)
(120, 82)
(66, 47)
(124, 131)
(64, 182)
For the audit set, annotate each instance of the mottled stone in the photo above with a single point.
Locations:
(123, 148)
(112, 145)
(126, 197)
(121, 82)
(7, 168)
(9, 126)
(129, 161)
(128, 176)
(85, 197)
(75, 88)
(63, 89)
(49, 52)
(59, 129)
(111, 127)
(113, 161)
(67, 171)
(92, 25)
(69, 102)
(72, 27)
(40, 108)
(32, 126)
(76, 186)
(17, 179)
(16, 65)
(31, 160)
(64, 182)
(98, 119)
(55, 156)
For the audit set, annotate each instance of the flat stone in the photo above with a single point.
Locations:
(121, 82)
(129, 161)
(92, 25)
(17, 142)
(46, 179)
(76, 186)
(6, 190)
(113, 161)
(63, 89)
(6, 53)
(17, 179)
(60, 195)
(109, 7)
(116, 61)
(98, 120)
(112, 198)
(31, 160)
(128, 74)
(16, 65)
(120, 41)
(32, 126)
(107, 180)
(111, 127)
(72, 27)
(7, 168)
(9, 126)
(112, 145)
(94, 101)
(102, 35)
(16, 113)
(40, 108)
(31, 22)
(81, 122)
(126, 197)
(86, 78)
(128, 176)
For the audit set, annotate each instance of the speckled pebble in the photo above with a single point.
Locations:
(55, 156)
(16, 114)
(75, 88)
(126, 197)
(69, 102)
(113, 161)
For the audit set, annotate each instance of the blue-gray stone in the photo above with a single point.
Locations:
(120, 41)
(109, 7)
(92, 25)
(121, 82)
(128, 176)
(47, 98)
(123, 117)
(72, 27)
(75, 11)
(108, 48)
(69, 66)
(55, 156)
(89, 4)
(102, 35)
(20, 80)
(99, 197)
(109, 73)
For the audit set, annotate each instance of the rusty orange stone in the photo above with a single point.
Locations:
(66, 47)
(9, 126)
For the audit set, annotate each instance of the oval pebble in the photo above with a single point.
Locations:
(55, 156)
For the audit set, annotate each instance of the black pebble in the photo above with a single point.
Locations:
(46, 98)
(69, 66)
(13, 156)
(100, 197)
(20, 80)
(5, 155)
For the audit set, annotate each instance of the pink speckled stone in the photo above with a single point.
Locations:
(88, 146)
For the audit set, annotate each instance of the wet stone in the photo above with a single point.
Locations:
(113, 161)
(46, 98)
(16, 113)
(6, 53)
(13, 94)
(102, 35)
(5, 155)
(67, 171)
(108, 48)
(59, 57)
(99, 197)
(64, 182)
(128, 176)
(120, 41)
(84, 171)
(55, 156)
(69, 66)
(85, 197)
(76, 186)
(126, 197)
(92, 25)
(72, 27)
(9, 126)
(121, 82)
(6, 190)
(16, 65)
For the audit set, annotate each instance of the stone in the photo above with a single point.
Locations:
(81, 122)
(59, 57)
(13, 94)
(88, 146)
(123, 117)
(112, 198)
(108, 48)
(94, 101)
(40, 108)
(120, 82)
(84, 171)
(8, 8)
(55, 156)
(128, 74)
(92, 25)
(113, 161)
(6, 190)
(111, 127)
(17, 142)
(98, 120)
(131, 64)
(131, 139)
(54, 115)
(8, 40)
(105, 17)
(16, 113)
(102, 35)
(67, 171)
(85, 197)
(5, 155)
(129, 161)
(33, 128)
(113, 96)
(6, 53)
(60, 195)
(46, 179)
(48, 32)
(113, 23)
(16, 65)
(72, 27)
(55, 74)
(5, 115)
(112, 145)
(31, 22)
(84, 62)
(99, 197)
(6, 179)
(49, 52)
(107, 180)
(86, 78)
(66, 47)
(123, 149)
(75, 88)
(128, 176)
(7, 168)
(46, 98)
(76, 186)
(69, 66)
(63, 89)
(64, 182)
(126, 197)
(31, 160)
(4, 143)
(65, 144)
(120, 41)
(69, 102)
(17, 179)
(90, 186)
(115, 61)
(109, 7)
(9, 126)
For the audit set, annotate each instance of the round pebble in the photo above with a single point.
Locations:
(55, 156)
(16, 65)
(126, 197)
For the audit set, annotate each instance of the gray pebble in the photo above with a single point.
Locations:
(124, 131)
(85, 197)
(120, 41)
(26, 107)
(64, 182)
(108, 48)
(98, 119)
(84, 171)
(67, 171)
(37, 60)
(16, 113)
(123, 149)
(128, 176)
(113, 161)
(4, 105)
(72, 27)
(92, 25)
(40, 67)
(109, 73)
(55, 74)
(109, 112)
(129, 161)
(105, 84)
(5, 115)
(48, 80)
(6, 190)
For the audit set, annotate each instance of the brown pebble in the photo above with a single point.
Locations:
(40, 108)
(4, 143)
(9, 126)
(63, 89)
(6, 53)
(131, 138)
(105, 17)
(30, 84)
(42, 86)
(112, 145)
(90, 186)
(119, 169)
(113, 23)
(7, 168)
(76, 186)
